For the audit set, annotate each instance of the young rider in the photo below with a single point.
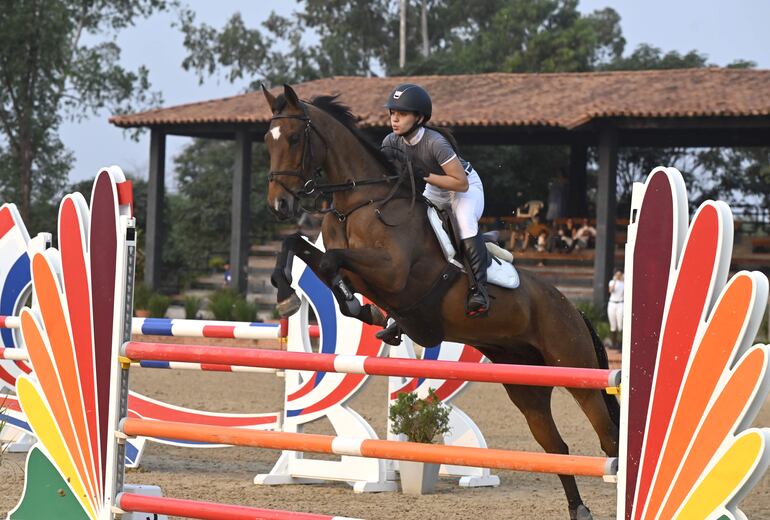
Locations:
(451, 180)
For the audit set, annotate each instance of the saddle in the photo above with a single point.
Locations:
(500, 272)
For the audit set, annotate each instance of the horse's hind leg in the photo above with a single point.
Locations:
(535, 403)
(595, 406)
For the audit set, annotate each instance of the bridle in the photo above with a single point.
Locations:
(315, 190)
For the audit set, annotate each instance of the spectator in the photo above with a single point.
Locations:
(534, 230)
(228, 276)
(562, 240)
(615, 309)
(585, 236)
(516, 241)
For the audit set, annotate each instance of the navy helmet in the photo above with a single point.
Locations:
(409, 97)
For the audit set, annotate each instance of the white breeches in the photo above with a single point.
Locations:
(467, 206)
(615, 314)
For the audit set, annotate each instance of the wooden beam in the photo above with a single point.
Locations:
(153, 234)
(239, 230)
(606, 204)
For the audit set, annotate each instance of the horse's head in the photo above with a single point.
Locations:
(295, 157)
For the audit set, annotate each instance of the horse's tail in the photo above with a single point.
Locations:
(601, 355)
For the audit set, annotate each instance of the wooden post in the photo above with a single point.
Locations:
(239, 231)
(606, 204)
(577, 205)
(153, 240)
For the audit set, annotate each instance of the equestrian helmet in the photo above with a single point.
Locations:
(409, 97)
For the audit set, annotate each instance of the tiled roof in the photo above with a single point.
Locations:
(565, 100)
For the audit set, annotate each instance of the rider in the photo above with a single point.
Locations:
(451, 180)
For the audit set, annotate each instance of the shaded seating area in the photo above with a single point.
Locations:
(601, 110)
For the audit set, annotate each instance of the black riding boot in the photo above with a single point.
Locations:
(390, 334)
(477, 259)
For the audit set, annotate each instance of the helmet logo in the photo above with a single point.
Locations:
(397, 94)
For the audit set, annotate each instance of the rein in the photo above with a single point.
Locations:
(313, 189)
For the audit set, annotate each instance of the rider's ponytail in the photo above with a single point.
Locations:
(447, 134)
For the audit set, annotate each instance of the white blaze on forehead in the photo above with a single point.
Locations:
(275, 132)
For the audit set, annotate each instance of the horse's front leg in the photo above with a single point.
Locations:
(318, 262)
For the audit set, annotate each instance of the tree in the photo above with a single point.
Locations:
(48, 73)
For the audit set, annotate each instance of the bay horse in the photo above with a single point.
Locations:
(379, 243)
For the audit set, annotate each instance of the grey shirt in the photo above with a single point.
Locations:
(429, 153)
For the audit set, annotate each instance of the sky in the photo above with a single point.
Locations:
(724, 31)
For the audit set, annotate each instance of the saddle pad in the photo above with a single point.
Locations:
(500, 272)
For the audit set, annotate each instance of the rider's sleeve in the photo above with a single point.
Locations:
(442, 150)
(388, 141)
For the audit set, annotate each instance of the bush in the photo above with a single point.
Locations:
(221, 304)
(217, 263)
(158, 305)
(421, 420)
(243, 310)
(192, 304)
(142, 295)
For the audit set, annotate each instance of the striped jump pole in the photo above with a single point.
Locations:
(449, 370)
(373, 448)
(130, 502)
(181, 328)
(18, 354)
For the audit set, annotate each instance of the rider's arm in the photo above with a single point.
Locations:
(455, 179)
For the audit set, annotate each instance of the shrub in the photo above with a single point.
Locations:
(221, 304)
(217, 263)
(421, 420)
(158, 305)
(192, 304)
(142, 295)
(243, 310)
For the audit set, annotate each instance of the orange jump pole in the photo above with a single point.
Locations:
(379, 449)
(454, 370)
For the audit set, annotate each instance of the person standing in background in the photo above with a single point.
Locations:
(615, 309)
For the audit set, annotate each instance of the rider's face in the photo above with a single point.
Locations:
(402, 122)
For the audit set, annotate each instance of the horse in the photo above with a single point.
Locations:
(379, 243)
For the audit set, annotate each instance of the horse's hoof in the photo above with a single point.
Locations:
(289, 306)
(580, 513)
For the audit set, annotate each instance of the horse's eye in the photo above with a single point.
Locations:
(294, 138)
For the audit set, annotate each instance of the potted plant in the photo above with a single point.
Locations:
(142, 295)
(420, 420)
(158, 304)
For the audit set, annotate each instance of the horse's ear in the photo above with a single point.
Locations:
(269, 97)
(291, 96)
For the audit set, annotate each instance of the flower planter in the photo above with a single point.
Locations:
(417, 478)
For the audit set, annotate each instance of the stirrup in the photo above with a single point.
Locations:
(390, 334)
(478, 308)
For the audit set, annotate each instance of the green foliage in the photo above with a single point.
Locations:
(142, 295)
(199, 215)
(217, 263)
(421, 420)
(192, 304)
(227, 305)
(244, 311)
(158, 305)
(55, 67)
(597, 316)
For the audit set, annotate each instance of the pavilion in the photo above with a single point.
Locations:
(710, 107)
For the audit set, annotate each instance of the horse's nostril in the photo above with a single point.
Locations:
(282, 204)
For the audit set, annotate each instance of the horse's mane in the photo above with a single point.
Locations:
(342, 113)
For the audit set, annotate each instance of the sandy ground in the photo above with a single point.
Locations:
(225, 475)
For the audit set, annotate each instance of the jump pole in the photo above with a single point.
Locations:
(130, 502)
(488, 373)
(379, 449)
